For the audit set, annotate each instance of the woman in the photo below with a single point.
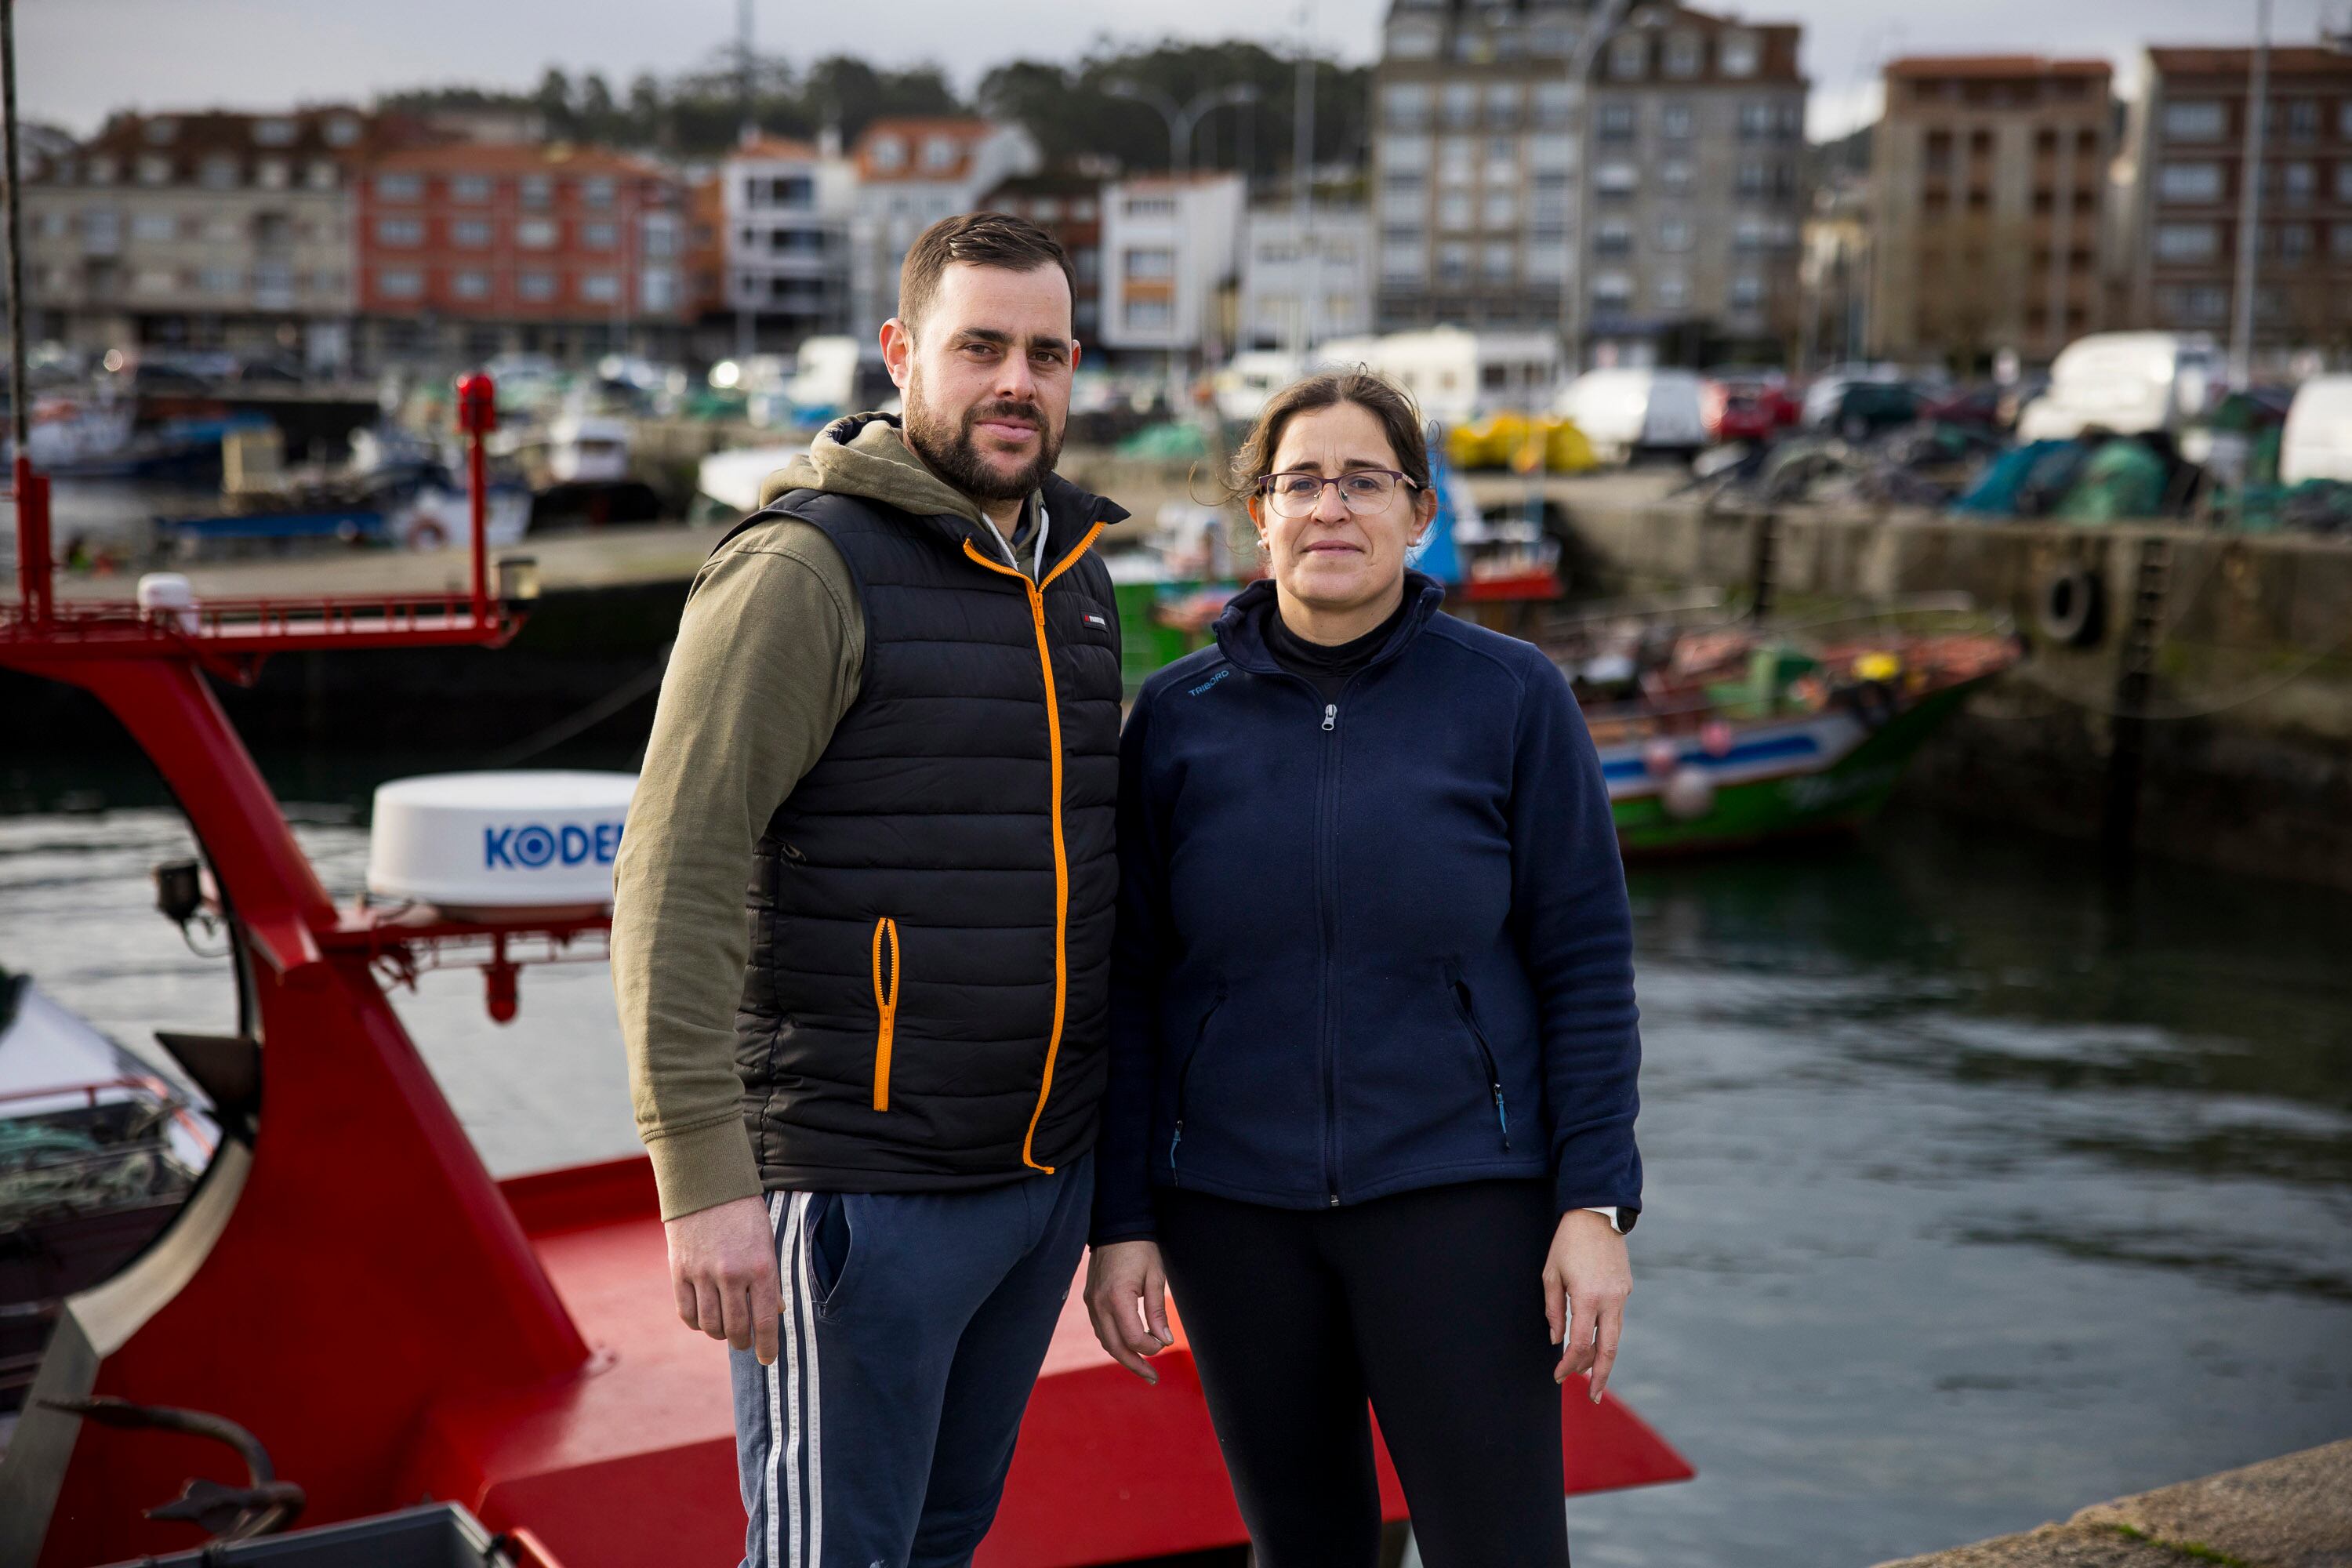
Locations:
(1374, 1048)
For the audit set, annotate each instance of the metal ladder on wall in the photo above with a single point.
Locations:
(2134, 675)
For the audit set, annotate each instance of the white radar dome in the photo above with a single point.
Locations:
(494, 845)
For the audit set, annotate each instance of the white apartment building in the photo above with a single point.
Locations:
(1171, 262)
(910, 173)
(787, 211)
(1318, 274)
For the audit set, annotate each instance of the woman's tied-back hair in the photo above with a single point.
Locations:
(1384, 398)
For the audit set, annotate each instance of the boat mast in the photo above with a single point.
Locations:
(31, 490)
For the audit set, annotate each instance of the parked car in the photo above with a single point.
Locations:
(1858, 410)
(1626, 414)
(1746, 406)
(2131, 384)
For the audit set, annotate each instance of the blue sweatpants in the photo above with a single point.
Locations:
(913, 1325)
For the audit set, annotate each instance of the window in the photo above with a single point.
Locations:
(162, 130)
(886, 152)
(1151, 315)
(1551, 152)
(1676, 176)
(1045, 209)
(401, 232)
(1414, 40)
(154, 170)
(1502, 160)
(1750, 235)
(1503, 105)
(536, 234)
(400, 283)
(1615, 179)
(1082, 209)
(1672, 291)
(341, 131)
(274, 132)
(471, 188)
(470, 285)
(600, 288)
(1675, 122)
(1616, 123)
(2339, 241)
(1500, 210)
(1674, 234)
(272, 173)
(2189, 182)
(597, 191)
(1613, 290)
(599, 236)
(321, 176)
(154, 280)
(539, 287)
(1148, 207)
(1751, 178)
(1737, 54)
(1613, 236)
(1495, 261)
(2299, 181)
(101, 232)
(101, 170)
(659, 242)
(1746, 291)
(2298, 117)
(1402, 202)
(1756, 122)
(2187, 241)
(1453, 211)
(2195, 122)
(1459, 105)
(1628, 55)
(1403, 261)
(1405, 106)
(218, 172)
(938, 153)
(2293, 242)
(1454, 264)
(399, 187)
(1457, 160)
(536, 190)
(1410, 153)
(1553, 100)
(1685, 53)
(471, 232)
(1551, 39)
(154, 226)
(2344, 180)
(1151, 263)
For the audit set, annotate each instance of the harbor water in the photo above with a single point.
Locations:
(1979, 1188)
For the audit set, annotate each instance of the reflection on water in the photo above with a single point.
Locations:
(1977, 1190)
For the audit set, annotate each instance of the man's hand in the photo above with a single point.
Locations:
(1586, 1280)
(1126, 1297)
(722, 1267)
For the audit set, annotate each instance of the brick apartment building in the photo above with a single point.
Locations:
(2186, 151)
(1066, 205)
(466, 250)
(1990, 175)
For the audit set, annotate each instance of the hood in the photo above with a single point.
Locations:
(865, 455)
(1241, 630)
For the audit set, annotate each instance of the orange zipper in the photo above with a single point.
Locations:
(885, 1004)
(1036, 591)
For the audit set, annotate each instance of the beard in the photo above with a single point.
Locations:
(947, 444)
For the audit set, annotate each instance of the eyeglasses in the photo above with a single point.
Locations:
(1298, 494)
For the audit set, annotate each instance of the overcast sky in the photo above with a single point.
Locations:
(78, 59)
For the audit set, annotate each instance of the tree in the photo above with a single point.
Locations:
(553, 102)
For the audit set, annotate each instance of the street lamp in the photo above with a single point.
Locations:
(1182, 119)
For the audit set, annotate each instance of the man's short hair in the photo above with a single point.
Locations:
(974, 239)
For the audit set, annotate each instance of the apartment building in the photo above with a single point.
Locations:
(1476, 155)
(1695, 205)
(1068, 205)
(1171, 263)
(786, 215)
(466, 250)
(1316, 276)
(2186, 167)
(1989, 176)
(209, 230)
(911, 173)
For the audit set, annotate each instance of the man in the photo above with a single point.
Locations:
(893, 710)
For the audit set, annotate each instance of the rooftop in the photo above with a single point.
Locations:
(1994, 66)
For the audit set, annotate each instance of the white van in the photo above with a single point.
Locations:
(2317, 441)
(1626, 412)
(2128, 383)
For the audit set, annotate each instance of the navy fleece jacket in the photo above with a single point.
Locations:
(1368, 945)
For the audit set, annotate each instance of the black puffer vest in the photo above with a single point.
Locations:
(926, 1002)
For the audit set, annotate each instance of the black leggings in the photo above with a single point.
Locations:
(1429, 1302)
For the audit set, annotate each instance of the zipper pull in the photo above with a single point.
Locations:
(1330, 717)
(1172, 1147)
(1502, 1117)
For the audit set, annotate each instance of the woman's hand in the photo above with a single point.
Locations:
(1126, 1297)
(1586, 1280)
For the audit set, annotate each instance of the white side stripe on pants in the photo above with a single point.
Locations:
(815, 1403)
(775, 1408)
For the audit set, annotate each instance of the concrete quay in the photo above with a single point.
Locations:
(2294, 1512)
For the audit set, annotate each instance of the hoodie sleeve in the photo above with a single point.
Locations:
(1576, 936)
(1123, 1209)
(770, 654)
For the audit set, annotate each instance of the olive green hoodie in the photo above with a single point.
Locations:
(769, 656)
